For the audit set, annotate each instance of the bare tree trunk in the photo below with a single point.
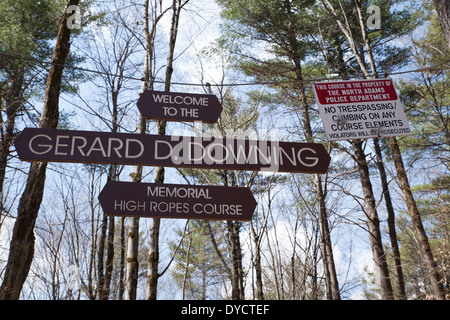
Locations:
(436, 280)
(373, 223)
(237, 279)
(398, 270)
(258, 270)
(407, 194)
(379, 256)
(186, 263)
(136, 176)
(105, 268)
(257, 237)
(90, 277)
(100, 259)
(22, 243)
(326, 247)
(153, 257)
(275, 274)
(112, 175)
(109, 258)
(153, 260)
(13, 102)
(327, 250)
(443, 11)
(122, 259)
(132, 258)
(132, 262)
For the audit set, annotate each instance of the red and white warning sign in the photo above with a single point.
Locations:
(360, 109)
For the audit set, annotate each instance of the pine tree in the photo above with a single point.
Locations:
(285, 29)
(22, 243)
(197, 271)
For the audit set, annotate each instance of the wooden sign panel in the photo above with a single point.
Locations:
(177, 201)
(54, 145)
(173, 106)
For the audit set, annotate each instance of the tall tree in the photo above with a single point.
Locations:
(132, 265)
(22, 242)
(426, 97)
(373, 222)
(198, 271)
(366, 48)
(284, 26)
(21, 75)
(111, 54)
(153, 256)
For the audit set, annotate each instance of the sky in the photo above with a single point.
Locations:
(198, 32)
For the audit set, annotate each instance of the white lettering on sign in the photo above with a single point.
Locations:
(213, 209)
(64, 145)
(177, 192)
(157, 203)
(129, 205)
(174, 207)
(47, 146)
(168, 207)
(209, 152)
(223, 151)
(185, 112)
(177, 99)
(360, 109)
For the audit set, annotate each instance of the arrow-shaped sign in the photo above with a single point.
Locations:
(173, 106)
(177, 201)
(56, 145)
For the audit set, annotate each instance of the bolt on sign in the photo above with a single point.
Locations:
(360, 109)
(177, 201)
(54, 145)
(172, 106)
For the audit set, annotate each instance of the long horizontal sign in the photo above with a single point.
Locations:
(173, 106)
(177, 201)
(56, 145)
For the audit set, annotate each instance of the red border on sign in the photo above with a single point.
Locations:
(345, 92)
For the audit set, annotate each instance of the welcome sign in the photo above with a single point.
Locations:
(174, 106)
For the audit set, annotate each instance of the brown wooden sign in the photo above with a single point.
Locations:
(177, 201)
(54, 145)
(172, 106)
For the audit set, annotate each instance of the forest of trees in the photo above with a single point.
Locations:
(376, 226)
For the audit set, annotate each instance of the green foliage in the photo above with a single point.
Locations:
(26, 28)
(397, 21)
(276, 35)
(27, 31)
(426, 98)
(433, 202)
(197, 267)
